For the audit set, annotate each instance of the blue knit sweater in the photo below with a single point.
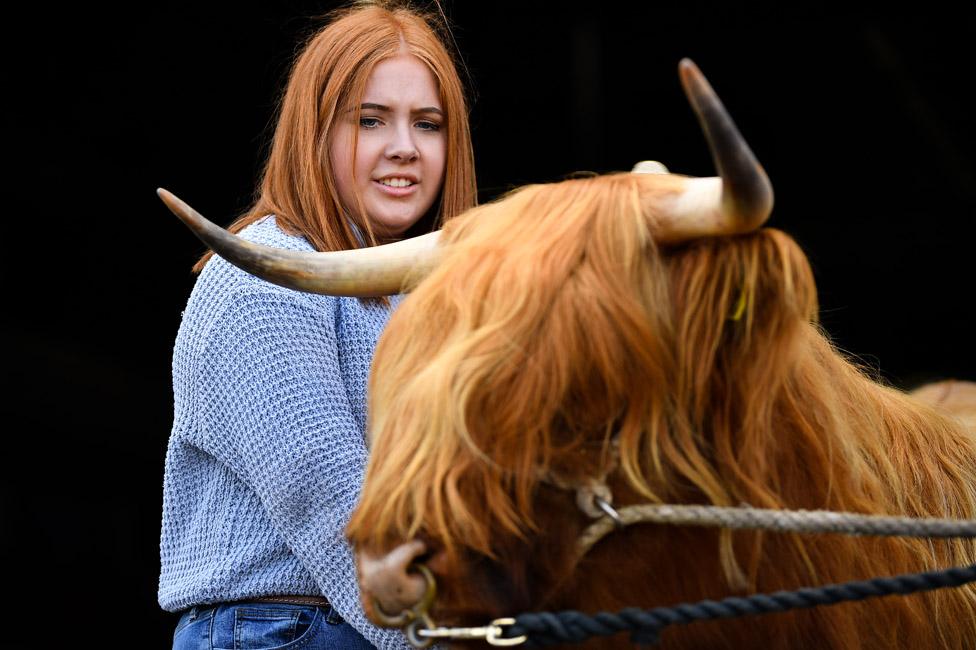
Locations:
(267, 453)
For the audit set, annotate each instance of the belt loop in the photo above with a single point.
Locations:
(333, 617)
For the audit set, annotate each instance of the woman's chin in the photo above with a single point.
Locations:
(387, 227)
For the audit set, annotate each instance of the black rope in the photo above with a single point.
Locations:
(646, 625)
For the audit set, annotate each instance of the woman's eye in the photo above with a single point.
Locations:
(369, 122)
(428, 126)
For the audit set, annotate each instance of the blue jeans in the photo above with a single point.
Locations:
(263, 626)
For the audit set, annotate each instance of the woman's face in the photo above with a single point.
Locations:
(397, 168)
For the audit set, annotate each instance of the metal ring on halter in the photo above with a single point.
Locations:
(418, 611)
(603, 505)
(422, 622)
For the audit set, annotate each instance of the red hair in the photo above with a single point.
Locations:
(298, 184)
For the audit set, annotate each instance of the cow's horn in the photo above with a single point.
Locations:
(742, 198)
(364, 272)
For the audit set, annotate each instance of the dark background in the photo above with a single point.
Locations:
(861, 118)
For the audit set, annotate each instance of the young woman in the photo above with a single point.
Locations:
(267, 452)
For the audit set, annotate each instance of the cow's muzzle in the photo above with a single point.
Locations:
(396, 590)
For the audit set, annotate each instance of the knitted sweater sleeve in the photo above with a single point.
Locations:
(273, 408)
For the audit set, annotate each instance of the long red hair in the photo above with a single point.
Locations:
(555, 322)
(298, 184)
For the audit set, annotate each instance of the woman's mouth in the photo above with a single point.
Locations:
(396, 185)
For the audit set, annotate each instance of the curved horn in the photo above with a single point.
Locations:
(364, 272)
(747, 194)
(741, 199)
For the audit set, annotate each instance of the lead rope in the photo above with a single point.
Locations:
(792, 521)
(646, 625)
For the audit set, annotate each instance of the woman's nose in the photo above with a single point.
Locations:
(402, 147)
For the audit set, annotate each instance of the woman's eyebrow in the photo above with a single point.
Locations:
(382, 108)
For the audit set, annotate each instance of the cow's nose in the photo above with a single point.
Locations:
(385, 581)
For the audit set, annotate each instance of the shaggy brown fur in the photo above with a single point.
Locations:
(555, 322)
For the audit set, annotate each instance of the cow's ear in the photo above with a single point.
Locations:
(776, 290)
(736, 298)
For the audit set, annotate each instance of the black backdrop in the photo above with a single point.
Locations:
(861, 119)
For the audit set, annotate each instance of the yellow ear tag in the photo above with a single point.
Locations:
(740, 305)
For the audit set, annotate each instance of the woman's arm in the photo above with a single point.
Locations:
(273, 408)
